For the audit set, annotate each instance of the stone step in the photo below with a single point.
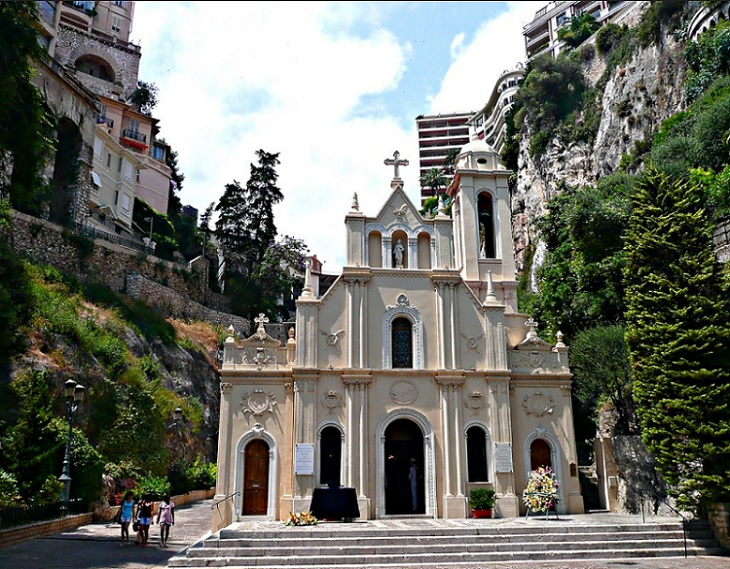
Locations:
(455, 559)
(423, 543)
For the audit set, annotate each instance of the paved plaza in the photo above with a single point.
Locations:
(97, 546)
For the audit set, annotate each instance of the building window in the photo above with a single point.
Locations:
(330, 456)
(402, 343)
(119, 3)
(158, 153)
(98, 147)
(116, 24)
(136, 175)
(119, 165)
(476, 454)
(108, 159)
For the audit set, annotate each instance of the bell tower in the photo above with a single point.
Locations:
(482, 222)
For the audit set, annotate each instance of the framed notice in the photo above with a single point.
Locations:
(503, 457)
(304, 458)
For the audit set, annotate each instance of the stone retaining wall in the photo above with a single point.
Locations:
(25, 533)
(719, 516)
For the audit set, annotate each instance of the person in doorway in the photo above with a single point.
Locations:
(413, 478)
(126, 515)
(145, 511)
(165, 519)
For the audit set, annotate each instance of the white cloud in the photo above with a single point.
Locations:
(294, 78)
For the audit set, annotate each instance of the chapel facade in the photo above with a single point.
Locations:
(415, 355)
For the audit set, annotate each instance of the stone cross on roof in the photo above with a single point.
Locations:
(396, 162)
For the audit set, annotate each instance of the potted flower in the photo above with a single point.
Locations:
(481, 502)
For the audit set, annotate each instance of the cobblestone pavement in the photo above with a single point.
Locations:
(97, 546)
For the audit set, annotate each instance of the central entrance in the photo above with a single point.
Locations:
(404, 468)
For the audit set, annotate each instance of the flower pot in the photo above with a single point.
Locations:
(481, 513)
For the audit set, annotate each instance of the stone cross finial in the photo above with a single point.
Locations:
(396, 162)
(261, 319)
(532, 325)
(355, 204)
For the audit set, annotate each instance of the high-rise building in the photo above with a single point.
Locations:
(541, 35)
(438, 135)
(489, 123)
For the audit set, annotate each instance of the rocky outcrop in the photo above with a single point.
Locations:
(637, 98)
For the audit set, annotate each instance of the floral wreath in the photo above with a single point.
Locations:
(301, 519)
(541, 492)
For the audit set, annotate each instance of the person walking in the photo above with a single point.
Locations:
(126, 515)
(145, 511)
(413, 478)
(165, 519)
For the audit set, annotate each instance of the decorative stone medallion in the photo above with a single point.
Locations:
(258, 403)
(475, 400)
(538, 404)
(403, 393)
(332, 399)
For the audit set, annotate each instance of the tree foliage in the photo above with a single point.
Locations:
(580, 280)
(259, 271)
(145, 97)
(25, 125)
(676, 317)
(581, 28)
(599, 359)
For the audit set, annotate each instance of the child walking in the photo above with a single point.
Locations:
(126, 512)
(165, 519)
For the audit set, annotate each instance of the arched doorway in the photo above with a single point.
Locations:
(540, 454)
(403, 447)
(255, 478)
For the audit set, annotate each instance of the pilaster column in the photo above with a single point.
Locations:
(387, 253)
(452, 327)
(225, 452)
(441, 342)
(412, 253)
(356, 465)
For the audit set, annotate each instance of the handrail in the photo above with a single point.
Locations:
(663, 499)
(215, 504)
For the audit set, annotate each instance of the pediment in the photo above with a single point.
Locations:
(534, 343)
(399, 210)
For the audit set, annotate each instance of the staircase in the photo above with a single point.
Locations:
(426, 542)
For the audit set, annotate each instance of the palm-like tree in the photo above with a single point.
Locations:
(435, 180)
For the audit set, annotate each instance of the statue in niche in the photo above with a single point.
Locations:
(398, 254)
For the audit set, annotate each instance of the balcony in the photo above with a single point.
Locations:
(134, 138)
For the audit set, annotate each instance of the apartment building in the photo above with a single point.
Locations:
(541, 35)
(437, 136)
(489, 123)
(90, 41)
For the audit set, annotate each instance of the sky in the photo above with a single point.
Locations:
(333, 87)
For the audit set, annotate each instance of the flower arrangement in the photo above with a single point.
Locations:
(301, 519)
(541, 492)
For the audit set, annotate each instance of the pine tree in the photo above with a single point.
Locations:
(679, 339)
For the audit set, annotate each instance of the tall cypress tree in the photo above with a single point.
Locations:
(246, 229)
(679, 339)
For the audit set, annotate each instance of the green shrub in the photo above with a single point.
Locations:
(608, 37)
(202, 474)
(158, 486)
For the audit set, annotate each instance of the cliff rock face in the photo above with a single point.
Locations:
(637, 98)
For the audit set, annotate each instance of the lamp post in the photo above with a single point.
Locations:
(74, 394)
(178, 417)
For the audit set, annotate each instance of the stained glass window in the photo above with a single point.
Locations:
(402, 343)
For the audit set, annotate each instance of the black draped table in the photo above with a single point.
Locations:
(335, 504)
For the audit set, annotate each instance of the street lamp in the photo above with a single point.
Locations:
(74, 394)
(152, 223)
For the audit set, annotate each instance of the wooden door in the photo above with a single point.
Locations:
(540, 454)
(256, 478)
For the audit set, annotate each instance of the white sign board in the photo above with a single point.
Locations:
(503, 457)
(304, 458)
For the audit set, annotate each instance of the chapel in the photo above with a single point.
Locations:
(412, 378)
